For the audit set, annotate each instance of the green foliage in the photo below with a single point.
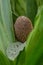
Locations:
(6, 23)
(18, 7)
(6, 30)
(24, 7)
(31, 9)
(34, 47)
(39, 2)
(3, 59)
(33, 52)
(21, 58)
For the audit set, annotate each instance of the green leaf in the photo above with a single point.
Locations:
(18, 7)
(3, 59)
(39, 2)
(34, 47)
(21, 58)
(24, 8)
(6, 31)
(31, 9)
(6, 23)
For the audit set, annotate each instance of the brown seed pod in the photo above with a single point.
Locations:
(23, 26)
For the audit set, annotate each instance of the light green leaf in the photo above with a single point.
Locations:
(34, 47)
(6, 31)
(18, 7)
(6, 23)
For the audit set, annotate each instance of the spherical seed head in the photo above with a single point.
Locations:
(23, 26)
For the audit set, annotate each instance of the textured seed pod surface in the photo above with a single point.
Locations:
(23, 27)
